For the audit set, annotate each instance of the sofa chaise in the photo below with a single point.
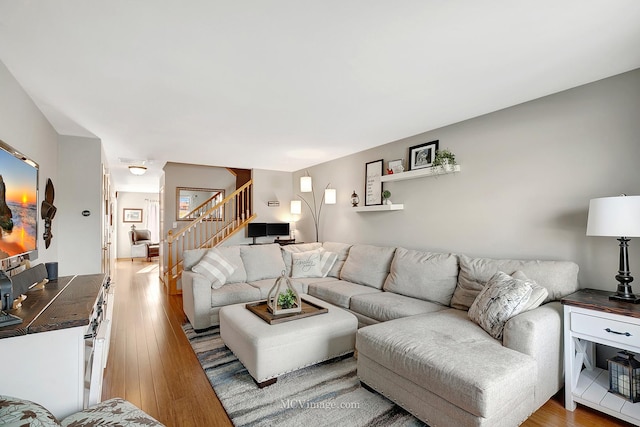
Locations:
(454, 340)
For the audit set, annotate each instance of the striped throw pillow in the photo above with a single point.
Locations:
(214, 267)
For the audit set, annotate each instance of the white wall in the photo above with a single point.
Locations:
(268, 186)
(25, 128)
(196, 176)
(79, 188)
(528, 173)
(127, 200)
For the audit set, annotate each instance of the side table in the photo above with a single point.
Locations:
(591, 318)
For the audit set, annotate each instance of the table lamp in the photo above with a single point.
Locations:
(617, 217)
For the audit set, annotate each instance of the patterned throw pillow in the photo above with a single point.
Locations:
(16, 412)
(112, 412)
(502, 298)
(316, 263)
(214, 267)
(538, 293)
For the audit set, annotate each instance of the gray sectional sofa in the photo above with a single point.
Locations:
(422, 341)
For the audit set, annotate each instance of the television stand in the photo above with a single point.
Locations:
(285, 242)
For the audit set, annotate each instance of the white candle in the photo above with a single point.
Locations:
(623, 384)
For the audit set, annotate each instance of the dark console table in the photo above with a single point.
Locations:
(62, 340)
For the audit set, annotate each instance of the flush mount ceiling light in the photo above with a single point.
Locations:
(137, 170)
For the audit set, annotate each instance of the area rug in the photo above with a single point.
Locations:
(327, 394)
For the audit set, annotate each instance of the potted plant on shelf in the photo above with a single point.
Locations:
(445, 160)
(385, 195)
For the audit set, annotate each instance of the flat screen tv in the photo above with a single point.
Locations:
(278, 229)
(18, 204)
(257, 229)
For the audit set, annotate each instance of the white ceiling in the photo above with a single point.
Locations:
(285, 84)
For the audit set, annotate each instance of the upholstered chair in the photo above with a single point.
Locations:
(140, 241)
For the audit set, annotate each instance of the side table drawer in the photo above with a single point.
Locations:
(612, 330)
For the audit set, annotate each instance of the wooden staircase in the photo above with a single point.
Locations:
(214, 222)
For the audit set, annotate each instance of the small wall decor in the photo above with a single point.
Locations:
(48, 211)
(396, 166)
(355, 199)
(373, 185)
(423, 155)
(131, 215)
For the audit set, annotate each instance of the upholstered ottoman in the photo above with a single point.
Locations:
(268, 351)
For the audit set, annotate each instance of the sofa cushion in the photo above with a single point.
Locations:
(452, 357)
(367, 265)
(342, 250)
(502, 298)
(338, 292)
(232, 253)
(191, 257)
(316, 263)
(304, 282)
(425, 275)
(262, 261)
(235, 293)
(559, 278)
(287, 250)
(214, 267)
(383, 306)
(16, 412)
(265, 285)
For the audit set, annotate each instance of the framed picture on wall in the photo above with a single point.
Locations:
(373, 184)
(423, 155)
(131, 215)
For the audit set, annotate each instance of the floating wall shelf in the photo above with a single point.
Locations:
(418, 173)
(378, 208)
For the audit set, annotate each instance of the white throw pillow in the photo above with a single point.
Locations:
(316, 263)
(502, 298)
(214, 267)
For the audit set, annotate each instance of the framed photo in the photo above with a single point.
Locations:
(396, 166)
(423, 155)
(131, 215)
(372, 183)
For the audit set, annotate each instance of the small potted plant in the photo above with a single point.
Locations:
(287, 300)
(283, 298)
(385, 195)
(445, 160)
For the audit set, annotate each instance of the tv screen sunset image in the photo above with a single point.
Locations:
(18, 206)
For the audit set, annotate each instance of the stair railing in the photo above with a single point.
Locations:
(212, 227)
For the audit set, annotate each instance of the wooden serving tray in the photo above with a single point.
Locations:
(261, 310)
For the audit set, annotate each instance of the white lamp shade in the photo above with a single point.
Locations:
(306, 186)
(614, 216)
(330, 196)
(296, 207)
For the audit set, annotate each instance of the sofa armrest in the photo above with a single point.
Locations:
(196, 299)
(538, 333)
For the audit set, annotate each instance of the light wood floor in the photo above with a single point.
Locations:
(151, 363)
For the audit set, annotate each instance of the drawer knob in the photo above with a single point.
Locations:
(611, 331)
